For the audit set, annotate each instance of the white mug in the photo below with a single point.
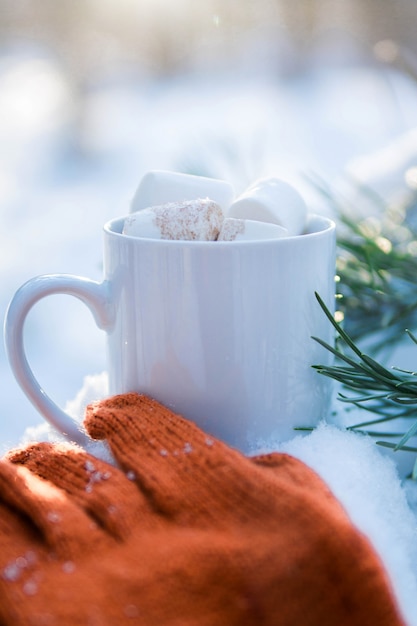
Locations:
(219, 332)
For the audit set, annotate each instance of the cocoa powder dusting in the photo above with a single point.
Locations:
(231, 228)
(190, 220)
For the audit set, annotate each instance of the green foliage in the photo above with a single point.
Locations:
(388, 393)
(376, 267)
(377, 305)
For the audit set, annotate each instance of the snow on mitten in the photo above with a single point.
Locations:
(188, 532)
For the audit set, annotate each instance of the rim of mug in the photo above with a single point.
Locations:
(327, 225)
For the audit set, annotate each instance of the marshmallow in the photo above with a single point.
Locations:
(159, 187)
(191, 220)
(234, 229)
(271, 200)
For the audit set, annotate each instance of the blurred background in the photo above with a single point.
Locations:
(95, 93)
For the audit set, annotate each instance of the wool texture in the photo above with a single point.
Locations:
(185, 531)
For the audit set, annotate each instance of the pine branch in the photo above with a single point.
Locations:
(382, 391)
(376, 266)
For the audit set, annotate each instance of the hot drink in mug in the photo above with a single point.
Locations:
(218, 331)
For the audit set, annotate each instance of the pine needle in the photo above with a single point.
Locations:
(381, 389)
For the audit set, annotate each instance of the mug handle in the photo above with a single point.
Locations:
(97, 298)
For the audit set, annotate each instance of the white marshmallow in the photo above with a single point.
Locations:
(142, 224)
(191, 220)
(271, 200)
(234, 229)
(159, 187)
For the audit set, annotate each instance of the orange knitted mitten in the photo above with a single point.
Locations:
(188, 532)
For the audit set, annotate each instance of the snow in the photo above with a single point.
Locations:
(70, 162)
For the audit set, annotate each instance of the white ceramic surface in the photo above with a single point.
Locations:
(217, 331)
